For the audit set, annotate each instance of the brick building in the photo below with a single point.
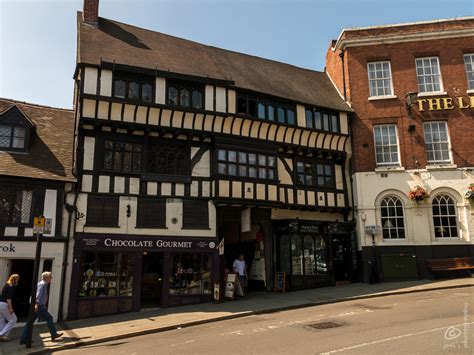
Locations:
(411, 88)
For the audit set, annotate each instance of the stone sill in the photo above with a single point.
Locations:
(470, 91)
(433, 93)
(388, 169)
(386, 97)
(441, 167)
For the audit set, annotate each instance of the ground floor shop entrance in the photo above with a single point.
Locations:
(152, 280)
(120, 273)
(21, 303)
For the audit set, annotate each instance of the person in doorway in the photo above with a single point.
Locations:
(8, 317)
(41, 310)
(240, 268)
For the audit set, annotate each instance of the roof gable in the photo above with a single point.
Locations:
(14, 116)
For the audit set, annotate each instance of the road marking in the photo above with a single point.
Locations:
(189, 342)
(391, 338)
(239, 332)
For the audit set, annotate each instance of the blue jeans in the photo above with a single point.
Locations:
(44, 314)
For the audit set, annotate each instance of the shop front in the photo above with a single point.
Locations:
(310, 253)
(18, 258)
(120, 273)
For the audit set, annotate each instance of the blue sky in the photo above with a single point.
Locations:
(38, 37)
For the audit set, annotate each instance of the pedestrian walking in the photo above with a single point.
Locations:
(41, 310)
(240, 267)
(8, 317)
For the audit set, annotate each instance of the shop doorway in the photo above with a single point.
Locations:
(152, 280)
(21, 304)
(342, 259)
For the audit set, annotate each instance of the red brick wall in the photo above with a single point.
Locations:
(91, 11)
(402, 58)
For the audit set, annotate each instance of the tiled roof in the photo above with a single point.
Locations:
(50, 150)
(113, 41)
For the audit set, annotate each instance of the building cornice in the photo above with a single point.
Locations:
(342, 44)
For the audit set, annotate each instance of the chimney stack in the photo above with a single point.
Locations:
(90, 14)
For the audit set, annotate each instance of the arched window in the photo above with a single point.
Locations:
(393, 218)
(444, 217)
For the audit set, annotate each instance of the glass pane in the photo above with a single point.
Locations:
(309, 118)
(19, 138)
(281, 114)
(147, 92)
(108, 159)
(252, 159)
(5, 136)
(221, 155)
(291, 116)
(270, 174)
(136, 162)
(261, 110)
(317, 120)
(109, 144)
(184, 98)
(262, 160)
(252, 172)
(232, 169)
(242, 170)
(271, 113)
(117, 161)
(271, 161)
(119, 88)
(127, 161)
(197, 99)
(242, 157)
(222, 168)
(172, 95)
(232, 156)
(262, 173)
(133, 90)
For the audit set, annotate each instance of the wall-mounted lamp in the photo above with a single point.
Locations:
(410, 100)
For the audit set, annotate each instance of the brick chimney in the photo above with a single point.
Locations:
(90, 14)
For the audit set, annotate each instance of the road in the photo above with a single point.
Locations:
(435, 322)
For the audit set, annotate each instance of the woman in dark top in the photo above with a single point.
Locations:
(8, 318)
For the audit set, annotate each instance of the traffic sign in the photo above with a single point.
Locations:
(38, 225)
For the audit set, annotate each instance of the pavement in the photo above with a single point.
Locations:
(106, 328)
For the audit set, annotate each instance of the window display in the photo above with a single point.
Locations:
(106, 275)
(190, 274)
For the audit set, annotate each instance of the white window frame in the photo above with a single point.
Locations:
(394, 228)
(389, 95)
(455, 215)
(398, 162)
(441, 87)
(431, 123)
(470, 83)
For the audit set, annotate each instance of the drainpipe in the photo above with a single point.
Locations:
(71, 210)
(341, 55)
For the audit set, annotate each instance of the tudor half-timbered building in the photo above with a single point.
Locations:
(182, 146)
(35, 180)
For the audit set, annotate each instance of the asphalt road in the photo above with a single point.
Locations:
(436, 322)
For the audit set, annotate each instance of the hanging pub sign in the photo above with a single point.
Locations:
(445, 103)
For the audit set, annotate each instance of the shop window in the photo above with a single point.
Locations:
(437, 142)
(151, 213)
(321, 256)
(393, 218)
(310, 173)
(428, 75)
(445, 219)
(190, 274)
(195, 214)
(309, 255)
(15, 205)
(296, 255)
(102, 211)
(185, 94)
(469, 64)
(265, 109)
(169, 158)
(380, 79)
(133, 86)
(322, 120)
(246, 165)
(386, 145)
(122, 156)
(105, 274)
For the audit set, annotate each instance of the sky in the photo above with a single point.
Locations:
(38, 37)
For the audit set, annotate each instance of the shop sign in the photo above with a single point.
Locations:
(372, 229)
(147, 243)
(309, 228)
(445, 103)
(7, 248)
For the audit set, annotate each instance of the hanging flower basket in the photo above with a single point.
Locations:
(469, 193)
(418, 194)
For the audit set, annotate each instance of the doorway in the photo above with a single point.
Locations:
(152, 280)
(21, 304)
(342, 261)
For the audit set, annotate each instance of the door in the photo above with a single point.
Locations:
(24, 268)
(152, 280)
(342, 262)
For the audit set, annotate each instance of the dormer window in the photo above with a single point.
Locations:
(15, 128)
(133, 87)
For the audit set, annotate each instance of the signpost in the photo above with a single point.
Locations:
(38, 229)
(373, 230)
